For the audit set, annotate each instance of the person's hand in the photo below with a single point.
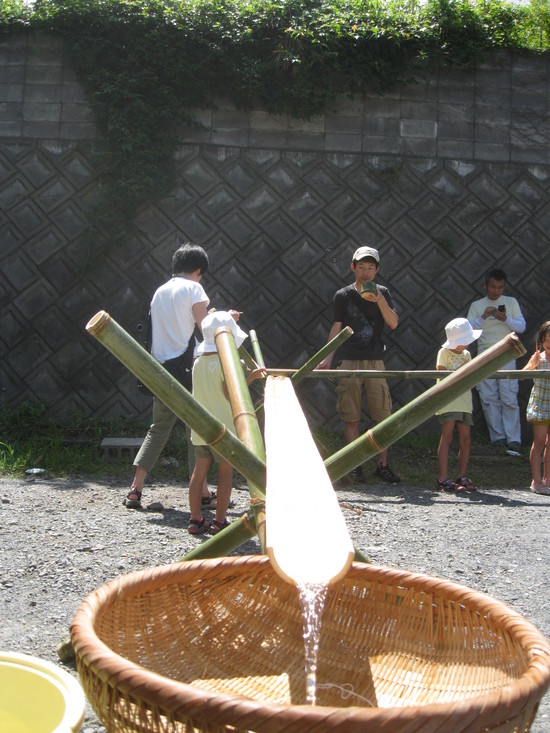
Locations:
(236, 314)
(373, 297)
(500, 315)
(326, 363)
(534, 361)
(258, 373)
(489, 311)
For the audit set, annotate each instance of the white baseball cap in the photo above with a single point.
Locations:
(363, 252)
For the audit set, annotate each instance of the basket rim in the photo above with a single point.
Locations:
(184, 700)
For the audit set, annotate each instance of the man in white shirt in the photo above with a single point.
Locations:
(176, 307)
(497, 315)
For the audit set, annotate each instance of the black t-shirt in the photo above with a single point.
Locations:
(366, 321)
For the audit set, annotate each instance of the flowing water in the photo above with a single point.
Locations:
(312, 601)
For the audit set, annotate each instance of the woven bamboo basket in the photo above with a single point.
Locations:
(216, 645)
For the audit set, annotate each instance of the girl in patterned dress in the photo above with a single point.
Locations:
(538, 413)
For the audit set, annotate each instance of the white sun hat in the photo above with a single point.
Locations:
(459, 333)
(210, 325)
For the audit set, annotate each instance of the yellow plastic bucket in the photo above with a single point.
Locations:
(38, 697)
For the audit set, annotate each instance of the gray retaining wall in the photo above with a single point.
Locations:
(445, 177)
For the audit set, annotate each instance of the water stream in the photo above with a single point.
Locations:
(312, 601)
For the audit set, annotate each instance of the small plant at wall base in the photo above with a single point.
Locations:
(146, 64)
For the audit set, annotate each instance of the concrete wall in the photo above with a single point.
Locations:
(445, 177)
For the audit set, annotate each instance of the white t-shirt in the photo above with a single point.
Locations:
(493, 329)
(172, 316)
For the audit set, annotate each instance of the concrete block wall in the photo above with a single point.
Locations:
(496, 112)
(40, 96)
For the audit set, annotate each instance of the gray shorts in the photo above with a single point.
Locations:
(463, 417)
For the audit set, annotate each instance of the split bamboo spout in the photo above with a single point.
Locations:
(295, 469)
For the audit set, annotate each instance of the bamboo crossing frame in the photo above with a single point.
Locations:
(247, 456)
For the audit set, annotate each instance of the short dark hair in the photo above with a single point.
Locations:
(188, 258)
(496, 274)
(544, 329)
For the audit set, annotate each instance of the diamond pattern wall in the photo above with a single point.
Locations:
(280, 229)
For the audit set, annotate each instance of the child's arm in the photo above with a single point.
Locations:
(534, 361)
(259, 373)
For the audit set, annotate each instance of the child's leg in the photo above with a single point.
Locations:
(464, 448)
(546, 476)
(225, 484)
(443, 449)
(198, 477)
(539, 439)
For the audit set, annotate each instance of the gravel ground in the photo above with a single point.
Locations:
(62, 538)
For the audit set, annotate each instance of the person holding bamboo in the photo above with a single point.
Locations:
(209, 389)
(367, 308)
(452, 355)
(538, 413)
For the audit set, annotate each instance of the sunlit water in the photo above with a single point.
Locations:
(312, 601)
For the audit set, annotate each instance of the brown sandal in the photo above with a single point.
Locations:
(198, 526)
(218, 526)
(466, 484)
(133, 503)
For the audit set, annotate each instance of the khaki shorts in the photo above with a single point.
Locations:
(348, 392)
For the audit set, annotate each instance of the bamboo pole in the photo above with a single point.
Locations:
(428, 374)
(310, 364)
(178, 399)
(296, 375)
(256, 348)
(238, 532)
(381, 436)
(244, 417)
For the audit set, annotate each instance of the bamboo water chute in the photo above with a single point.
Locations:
(245, 458)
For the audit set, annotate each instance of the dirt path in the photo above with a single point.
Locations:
(61, 539)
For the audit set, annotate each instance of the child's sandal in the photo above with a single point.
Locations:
(446, 485)
(198, 526)
(218, 526)
(466, 484)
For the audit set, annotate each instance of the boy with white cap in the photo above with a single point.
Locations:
(210, 390)
(366, 307)
(452, 355)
